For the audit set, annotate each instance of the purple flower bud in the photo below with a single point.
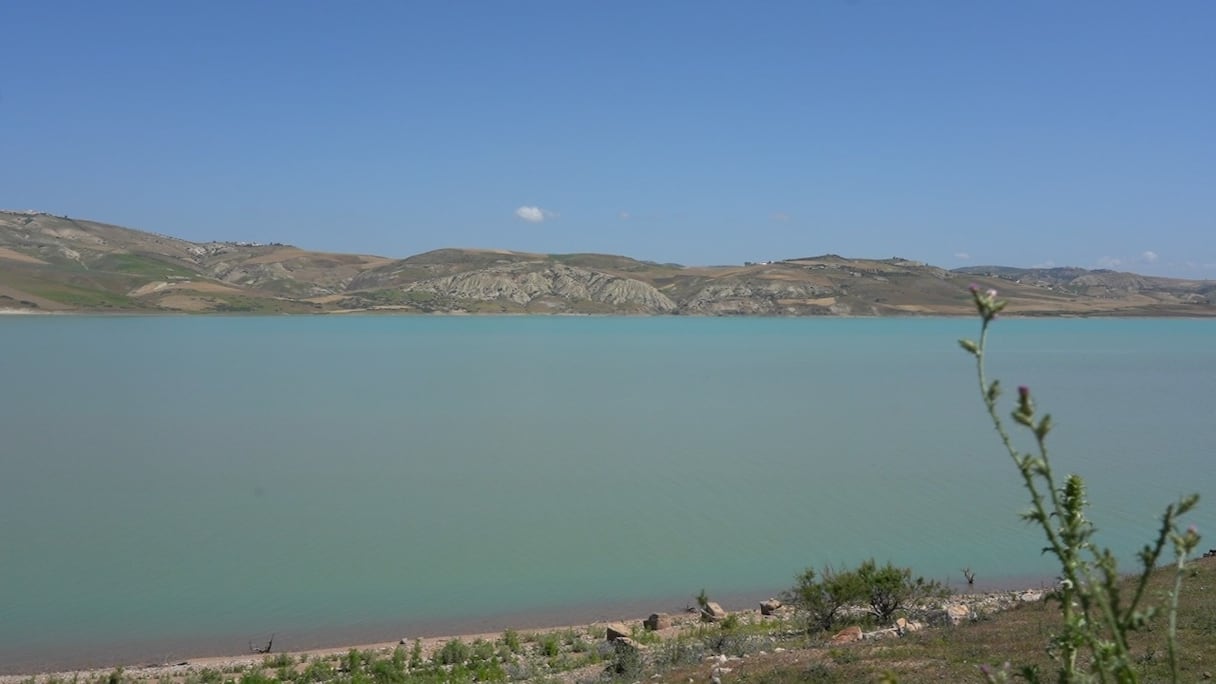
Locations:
(973, 287)
(1023, 391)
(1192, 529)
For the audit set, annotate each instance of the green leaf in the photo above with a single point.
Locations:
(1043, 427)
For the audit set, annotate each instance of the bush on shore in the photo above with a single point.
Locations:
(882, 591)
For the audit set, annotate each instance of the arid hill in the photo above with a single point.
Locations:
(54, 263)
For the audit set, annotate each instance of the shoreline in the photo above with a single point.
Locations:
(407, 312)
(182, 656)
(105, 657)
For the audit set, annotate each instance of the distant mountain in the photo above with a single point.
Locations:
(1101, 283)
(54, 263)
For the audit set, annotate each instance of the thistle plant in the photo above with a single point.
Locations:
(1098, 618)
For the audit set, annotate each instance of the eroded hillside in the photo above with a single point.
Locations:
(55, 263)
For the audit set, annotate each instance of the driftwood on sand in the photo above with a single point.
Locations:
(258, 649)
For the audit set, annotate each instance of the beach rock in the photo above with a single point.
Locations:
(904, 626)
(769, 607)
(616, 631)
(712, 612)
(846, 635)
(657, 621)
(622, 644)
(1030, 596)
(889, 632)
(958, 612)
(950, 614)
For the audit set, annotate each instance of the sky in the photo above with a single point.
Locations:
(1027, 133)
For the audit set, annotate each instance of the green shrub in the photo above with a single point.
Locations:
(489, 672)
(512, 641)
(548, 645)
(386, 671)
(416, 655)
(354, 661)
(888, 589)
(317, 671)
(881, 590)
(642, 635)
(483, 652)
(823, 596)
(278, 660)
(681, 651)
(454, 652)
(626, 662)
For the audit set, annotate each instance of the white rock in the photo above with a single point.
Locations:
(957, 613)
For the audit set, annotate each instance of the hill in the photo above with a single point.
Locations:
(57, 264)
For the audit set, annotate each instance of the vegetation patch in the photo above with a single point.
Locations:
(136, 264)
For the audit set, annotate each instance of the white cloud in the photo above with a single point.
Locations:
(1149, 257)
(534, 214)
(624, 216)
(1046, 264)
(962, 255)
(1109, 262)
(781, 216)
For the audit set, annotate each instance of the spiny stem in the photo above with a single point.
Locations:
(1172, 635)
(1067, 561)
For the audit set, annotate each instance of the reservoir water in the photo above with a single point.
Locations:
(176, 486)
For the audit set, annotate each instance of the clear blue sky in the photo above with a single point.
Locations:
(1020, 133)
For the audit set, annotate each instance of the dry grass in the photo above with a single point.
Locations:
(1018, 636)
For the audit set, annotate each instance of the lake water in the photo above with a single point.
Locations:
(177, 486)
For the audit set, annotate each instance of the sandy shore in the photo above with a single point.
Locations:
(184, 668)
(101, 657)
(194, 665)
(993, 598)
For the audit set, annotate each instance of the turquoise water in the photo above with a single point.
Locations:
(179, 485)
